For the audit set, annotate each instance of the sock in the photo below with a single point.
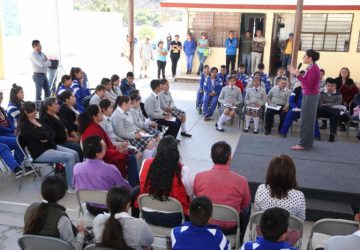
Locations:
(223, 118)
(256, 123)
(247, 121)
(183, 127)
(147, 153)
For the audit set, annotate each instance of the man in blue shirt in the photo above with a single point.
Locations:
(274, 225)
(189, 49)
(127, 84)
(231, 44)
(198, 234)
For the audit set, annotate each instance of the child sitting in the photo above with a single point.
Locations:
(264, 77)
(109, 93)
(256, 74)
(238, 83)
(274, 225)
(65, 84)
(223, 75)
(230, 97)
(242, 76)
(200, 91)
(98, 96)
(197, 233)
(255, 99)
(212, 89)
(168, 106)
(281, 73)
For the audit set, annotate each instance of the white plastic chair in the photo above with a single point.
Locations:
(37, 242)
(94, 247)
(91, 196)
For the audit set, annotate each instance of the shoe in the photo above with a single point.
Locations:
(297, 147)
(255, 131)
(267, 132)
(358, 137)
(207, 118)
(18, 171)
(324, 126)
(71, 190)
(145, 76)
(332, 138)
(220, 129)
(185, 134)
(246, 129)
(199, 111)
(216, 125)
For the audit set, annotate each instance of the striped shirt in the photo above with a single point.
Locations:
(13, 113)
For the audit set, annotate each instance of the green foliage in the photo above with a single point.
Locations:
(146, 31)
(147, 17)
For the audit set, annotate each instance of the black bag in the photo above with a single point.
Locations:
(86, 100)
(54, 64)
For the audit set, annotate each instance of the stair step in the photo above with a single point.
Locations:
(320, 209)
(187, 78)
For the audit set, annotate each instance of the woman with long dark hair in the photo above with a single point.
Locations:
(89, 125)
(164, 176)
(80, 87)
(15, 104)
(119, 230)
(344, 75)
(64, 134)
(40, 141)
(48, 218)
(67, 110)
(310, 83)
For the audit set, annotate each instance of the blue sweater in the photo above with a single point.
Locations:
(126, 88)
(13, 113)
(223, 78)
(8, 131)
(189, 47)
(231, 46)
(191, 237)
(80, 93)
(61, 89)
(262, 244)
(208, 88)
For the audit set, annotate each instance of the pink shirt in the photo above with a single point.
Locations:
(224, 187)
(310, 82)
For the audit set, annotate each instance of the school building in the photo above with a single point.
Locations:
(331, 27)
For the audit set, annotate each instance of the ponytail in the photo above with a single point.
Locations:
(36, 219)
(73, 72)
(112, 236)
(28, 107)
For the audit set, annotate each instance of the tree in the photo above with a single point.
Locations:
(146, 31)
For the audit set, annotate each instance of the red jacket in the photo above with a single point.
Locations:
(239, 84)
(112, 156)
(348, 93)
(177, 191)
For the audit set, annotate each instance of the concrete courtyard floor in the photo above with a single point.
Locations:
(195, 153)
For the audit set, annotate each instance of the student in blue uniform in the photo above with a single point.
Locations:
(15, 104)
(79, 87)
(264, 77)
(200, 92)
(223, 75)
(197, 233)
(65, 84)
(212, 89)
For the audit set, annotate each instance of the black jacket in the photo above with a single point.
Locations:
(68, 116)
(57, 126)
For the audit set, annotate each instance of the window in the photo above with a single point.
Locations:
(358, 47)
(326, 32)
(216, 24)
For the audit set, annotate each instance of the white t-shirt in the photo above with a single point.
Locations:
(146, 51)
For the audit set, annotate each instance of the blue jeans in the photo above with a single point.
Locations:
(246, 59)
(41, 82)
(286, 60)
(132, 171)
(61, 155)
(202, 59)
(212, 101)
(189, 61)
(10, 141)
(199, 98)
(7, 157)
(74, 146)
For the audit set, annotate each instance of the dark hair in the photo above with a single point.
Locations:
(154, 84)
(313, 54)
(220, 152)
(160, 43)
(87, 117)
(135, 91)
(13, 95)
(35, 43)
(92, 146)
(64, 78)
(233, 72)
(330, 80)
(257, 73)
(200, 211)
(281, 68)
(53, 189)
(281, 79)
(177, 36)
(48, 101)
(261, 66)
(164, 168)
(349, 81)
(206, 66)
(65, 95)
(73, 72)
(347, 69)
(242, 66)
(113, 79)
(135, 97)
(302, 72)
(130, 74)
(105, 81)
(28, 107)
(214, 68)
(163, 81)
(322, 71)
(232, 78)
(112, 236)
(281, 176)
(223, 66)
(274, 223)
(231, 31)
(99, 88)
(121, 99)
(104, 104)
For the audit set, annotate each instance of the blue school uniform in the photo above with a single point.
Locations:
(13, 114)
(61, 89)
(80, 93)
(211, 100)
(223, 78)
(262, 244)
(200, 91)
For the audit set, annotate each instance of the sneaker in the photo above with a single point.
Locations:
(220, 129)
(18, 171)
(255, 131)
(199, 111)
(185, 134)
(71, 190)
(207, 118)
(267, 132)
(145, 76)
(246, 129)
(332, 138)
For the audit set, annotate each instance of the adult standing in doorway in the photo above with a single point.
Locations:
(310, 82)
(175, 49)
(203, 48)
(40, 63)
(245, 49)
(286, 50)
(257, 50)
(145, 56)
(231, 44)
(189, 49)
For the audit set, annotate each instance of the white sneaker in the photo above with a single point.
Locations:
(71, 190)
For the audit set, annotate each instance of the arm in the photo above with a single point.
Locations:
(36, 59)
(263, 101)
(247, 98)
(339, 100)
(221, 96)
(118, 123)
(66, 233)
(292, 101)
(246, 195)
(150, 109)
(239, 98)
(163, 105)
(269, 96)
(30, 132)
(147, 237)
(309, 79)
(302, 206)
(119, 180)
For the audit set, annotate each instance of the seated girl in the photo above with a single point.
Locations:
(15, 104)
(67, 110)
(109, 93)
(49, 218)
(65, 84)
(79, 87)
(200, 92)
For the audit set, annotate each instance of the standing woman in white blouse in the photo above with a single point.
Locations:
(281, 189)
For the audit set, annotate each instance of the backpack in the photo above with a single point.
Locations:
(86, 100)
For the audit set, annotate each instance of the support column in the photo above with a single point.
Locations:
(131, 30)
(297, 32)
(2, 65)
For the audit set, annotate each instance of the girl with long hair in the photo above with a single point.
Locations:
(67, 110)
(64, 84)
(80, 87)
(15, 104)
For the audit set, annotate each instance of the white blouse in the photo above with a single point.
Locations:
(294, 203)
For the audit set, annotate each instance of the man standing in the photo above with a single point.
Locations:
(40, 63)
(189, 49)
(245, 49)
(286, 50)
(257, 50)
(145, 56)
(231, 44)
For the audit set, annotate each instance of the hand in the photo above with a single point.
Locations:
(286, 108)
(137, 136)
(44, 141)
(81, 228)
(167, 117)
(153, 124)
(123, 150)
(293, 71)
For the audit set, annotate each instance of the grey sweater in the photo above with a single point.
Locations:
(230, 96)
(166, 100)
(279, 97)
(152, 107)
(254, 97)
(123, 124)
(330, 99)
(138, 118)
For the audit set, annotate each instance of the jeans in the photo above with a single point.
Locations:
(291, 116)
(199, 98)
(61, 155)
(189, 61)
(174, 60)
(212, 101)
(161, 68)
(202, 59)
(132, 171)
(230, 60)
(286, 60)
(7, 157)
(255, 60)
(41, 82)
(10, 142)
(246, 59)
(74, 146)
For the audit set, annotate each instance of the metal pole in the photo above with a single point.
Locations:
(297, 32)
(131, 30)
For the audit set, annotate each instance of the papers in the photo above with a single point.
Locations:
(145, 134)
(296, 109)
(253, 108)
(131, 147)
(172, 119)
(341, 107)
(274, 107)
(229, 106)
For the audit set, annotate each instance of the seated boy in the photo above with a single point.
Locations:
(281, 73)
(274, 225)
(212, 89)
(127, 84)
(167, 105)
(98, 96)
(200, 91)
(264, 77)
(223, 75)
(231, 98)
(255, 99)
(197, 233)
(278, 96)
